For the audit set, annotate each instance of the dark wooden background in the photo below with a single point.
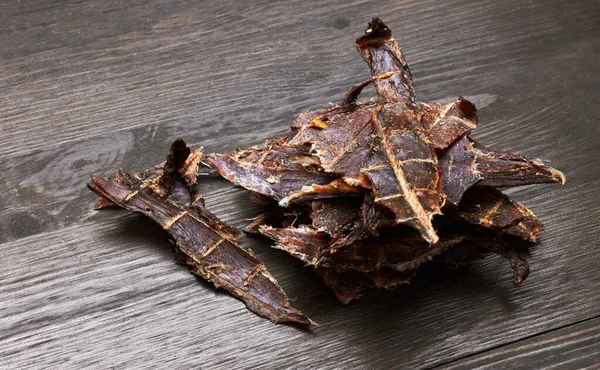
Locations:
(89, 86)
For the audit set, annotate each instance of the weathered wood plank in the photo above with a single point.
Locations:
(86, 87)
(574, 347)
(208, 68)
(108, 292)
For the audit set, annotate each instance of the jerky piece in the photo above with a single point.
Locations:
(334, 216)
(345, 147)
(364, 225)
(444, 122)
(403, 172)
(383, 55)
(386, 143)
(400, 166)
(458, 169)
(348, 285)
(271, 169)
(462, 253)
(165, 195)
(507, 169)
(447, 122)
(336, 188)
(301, 242)
(490, 208)
(402, 250)
(496, 244)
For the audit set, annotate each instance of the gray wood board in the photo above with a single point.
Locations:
(573, 347)
(87, 87)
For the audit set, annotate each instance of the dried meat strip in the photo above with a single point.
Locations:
(402, 249)
(490, 208)
(459, 172)
(166, 195)
(507, 169)
(271, 169)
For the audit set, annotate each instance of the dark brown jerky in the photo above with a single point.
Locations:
(348, 285)
(405, 160)
(458, 166)
(401, 249)
(494, 243)
(462, 253)
(490, 208)
(507, 169)
(271, 169)
(334, 216)
(365, 223)
(384, 57)
(166, 195)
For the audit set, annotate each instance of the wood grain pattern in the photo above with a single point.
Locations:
(87, 87)
(573, 347)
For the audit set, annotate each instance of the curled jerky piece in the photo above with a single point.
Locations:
(496, 244)
(167, 196)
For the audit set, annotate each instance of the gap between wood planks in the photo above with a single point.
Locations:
(493, 348)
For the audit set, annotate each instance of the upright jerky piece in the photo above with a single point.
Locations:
(166, 195)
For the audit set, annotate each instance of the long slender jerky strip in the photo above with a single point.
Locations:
(507, 169)
(165, 195)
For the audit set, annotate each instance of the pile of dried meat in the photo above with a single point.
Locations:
(365, 192)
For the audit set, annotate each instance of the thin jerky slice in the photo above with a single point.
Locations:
(400, 165)
(369, 218)
(336, 188)
(386, 143)
(384, 57)
(345, 147)
(165, 195)
(444, 122)
(447, 122)
(404, 173)
(402, 250)
(458, 166)
(490, 208)
(301, 242)
(336, 215)
(271, 169)
(507, 169)
(348, 285)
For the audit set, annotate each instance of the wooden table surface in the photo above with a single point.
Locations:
(89, 86)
